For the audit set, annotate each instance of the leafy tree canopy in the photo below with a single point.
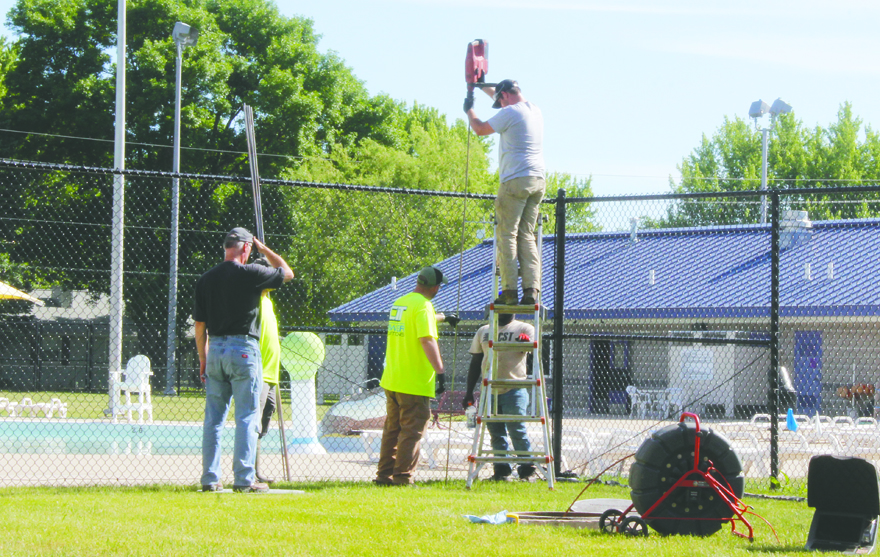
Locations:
(843, 154)
(314, 120)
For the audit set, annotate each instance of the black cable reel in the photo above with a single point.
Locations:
(666, 457)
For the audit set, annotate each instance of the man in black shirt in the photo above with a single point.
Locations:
(226, 308)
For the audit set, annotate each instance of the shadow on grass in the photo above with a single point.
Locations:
(756, 548)
(336, 484)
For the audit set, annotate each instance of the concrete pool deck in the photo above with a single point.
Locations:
(62, 452)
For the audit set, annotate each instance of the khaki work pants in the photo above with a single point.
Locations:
(405, 424)
(516, 210)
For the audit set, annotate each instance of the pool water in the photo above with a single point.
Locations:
(102, 437)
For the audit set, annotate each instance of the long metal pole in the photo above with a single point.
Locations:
(117, 234)
(558, 313)
(250, 134)
(764, 133)
(175, 208)
(280, 410)
(773, 372)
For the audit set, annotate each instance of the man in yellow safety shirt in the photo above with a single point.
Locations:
(412, 366)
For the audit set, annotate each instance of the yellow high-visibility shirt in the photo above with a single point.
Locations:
(407, 369)
(270, 346)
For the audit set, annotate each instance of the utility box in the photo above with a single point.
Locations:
(845, 495)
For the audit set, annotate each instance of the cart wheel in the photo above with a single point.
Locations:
(666, 457)
(608, 522)
(634, 526)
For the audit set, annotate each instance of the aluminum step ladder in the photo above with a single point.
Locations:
(487, 411)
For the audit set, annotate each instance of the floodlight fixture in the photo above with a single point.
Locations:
(184, 35)
(758, 109)
(779, 107)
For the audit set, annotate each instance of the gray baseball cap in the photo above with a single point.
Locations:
(238, 234)
(432, 276)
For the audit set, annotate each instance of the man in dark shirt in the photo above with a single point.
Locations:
(226, 308)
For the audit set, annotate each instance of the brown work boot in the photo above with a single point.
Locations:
(530, 297)
(507, 298)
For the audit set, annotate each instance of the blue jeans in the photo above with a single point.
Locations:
(234, 369)
(513, 403)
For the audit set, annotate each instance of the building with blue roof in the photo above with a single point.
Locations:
(698, 282)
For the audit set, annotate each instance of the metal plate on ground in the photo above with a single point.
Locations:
(598, 506)
(553, 518)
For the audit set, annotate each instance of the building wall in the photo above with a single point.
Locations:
(57, 355)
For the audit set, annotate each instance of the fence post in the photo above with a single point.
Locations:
(773, 372)
(558, 309)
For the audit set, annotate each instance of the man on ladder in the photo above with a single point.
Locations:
(521, 166)
(513, 401)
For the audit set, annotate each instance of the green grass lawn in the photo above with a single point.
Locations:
(186, 407)
(346, 519)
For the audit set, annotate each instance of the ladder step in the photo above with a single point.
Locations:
(513, 346)
(506, 419)
(513, 308)
(546, 459)
(511, 382)
(524, 454)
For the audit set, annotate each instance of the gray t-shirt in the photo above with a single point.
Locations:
(511, 365)
(521, 127)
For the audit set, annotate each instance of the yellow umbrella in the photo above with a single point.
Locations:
(9, 293)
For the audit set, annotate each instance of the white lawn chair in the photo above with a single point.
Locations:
(28, 405)
(842, 422)
(674, 402)
(56, 406)
(638, 403)
(135, 379)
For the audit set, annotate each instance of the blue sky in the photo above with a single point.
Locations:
(627, 87)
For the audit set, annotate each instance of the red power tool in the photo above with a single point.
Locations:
(476, 66)
(476, 63)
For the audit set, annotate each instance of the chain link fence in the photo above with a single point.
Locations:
(665, 304)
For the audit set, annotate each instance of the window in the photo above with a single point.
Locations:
(333, 340)
(620, 354)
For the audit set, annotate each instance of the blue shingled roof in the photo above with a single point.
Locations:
(721, 271)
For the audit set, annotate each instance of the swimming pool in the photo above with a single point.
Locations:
(36, 436)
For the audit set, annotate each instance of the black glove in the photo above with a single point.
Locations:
(441, 384)
(452, 318)
(468, 400)
(469, 102)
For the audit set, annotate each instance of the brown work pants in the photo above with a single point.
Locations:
(516, 210)
(405, 424)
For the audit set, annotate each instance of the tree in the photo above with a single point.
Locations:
(359, 241)
(798, 158)
(579, 217)
(310, 110)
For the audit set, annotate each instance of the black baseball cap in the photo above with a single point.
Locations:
(431, 276)
(238, 234)
(503, 85)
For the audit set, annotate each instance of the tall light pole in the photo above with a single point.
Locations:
(117, 234)
(758, 109)
(183, 36)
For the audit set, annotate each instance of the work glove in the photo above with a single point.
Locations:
(441, 384)
(523, 337)
(468, 400)
(452, 318)
(468, 102)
